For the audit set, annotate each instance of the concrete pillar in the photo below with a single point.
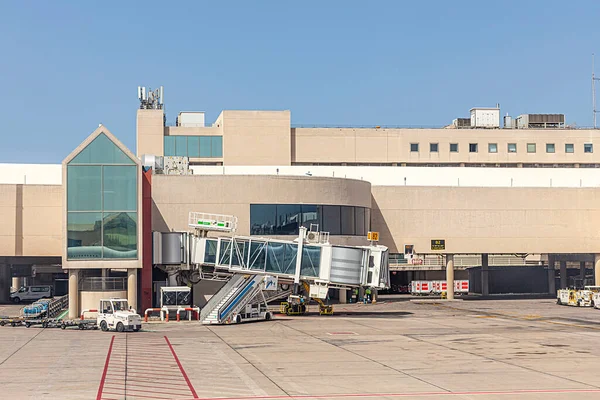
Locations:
(564, 282)
(485, 275)
(343, 295)
(73, 293)
(551, 284)
(450, 276)
(104, 276)
(582, 272)
(597, 269)
(132, 287)
(5, 283)
(16, 283)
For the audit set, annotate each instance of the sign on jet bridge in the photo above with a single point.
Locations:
(438, 244)
(269, 283)
(374, 236)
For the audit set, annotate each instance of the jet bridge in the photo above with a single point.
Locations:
(309, 262)
(319, 263)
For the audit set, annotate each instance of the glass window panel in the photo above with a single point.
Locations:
(193, 146)
(258, 255)
(210, 251)
(310, 215)
(181, 146)
(569, 148)
(224, 252)
(531, 147)
(512, 147)
(359, 220)
(433, 147)
(262, 219)
(311, 260)
(120, 188)
(348, 220)
(101, 151)
(275, 256)
(414, 147)
(493, 147)
(331, 220)
(84, 235)
(217, 146)
(367, 219)
(120, 235)
(84, 188)
(239, 254)
(473, 147)
(169, 146)
(205, 146)
(549, 147)
(288, 219)
(453, 147)
(289, 260)
(588, 148)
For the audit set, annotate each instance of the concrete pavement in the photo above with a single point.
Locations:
(513, 349)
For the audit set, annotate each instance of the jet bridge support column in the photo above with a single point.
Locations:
(563, 275)
(551, 274)
(450, 276)
(597, 269)
(299, 259)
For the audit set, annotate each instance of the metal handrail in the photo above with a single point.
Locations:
(101, 284)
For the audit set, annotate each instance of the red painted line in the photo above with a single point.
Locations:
(181, 369)
(99, 395)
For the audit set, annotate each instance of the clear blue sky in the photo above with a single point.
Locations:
(67, 66)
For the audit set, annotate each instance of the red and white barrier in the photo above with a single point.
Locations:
(461, 286)
(166, 311)
(437, 287)
(421, 287)
(197, 309)
(86, 311)
(149, 310)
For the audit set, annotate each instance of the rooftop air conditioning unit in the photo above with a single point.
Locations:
(312, 237)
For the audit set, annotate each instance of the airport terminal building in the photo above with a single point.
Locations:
(511, 208)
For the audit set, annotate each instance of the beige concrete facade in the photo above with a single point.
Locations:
(267, 138)
(175, 197)
(31, 220)
(488, 220)
(150, 131)
(347, 145)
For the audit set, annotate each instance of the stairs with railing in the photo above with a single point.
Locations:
(236, 294)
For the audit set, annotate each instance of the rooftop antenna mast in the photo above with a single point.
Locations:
(149, 99)
(594, 79)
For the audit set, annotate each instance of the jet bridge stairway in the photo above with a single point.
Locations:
(235, 296)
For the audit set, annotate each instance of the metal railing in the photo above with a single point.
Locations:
(397, 260)
(100, 284)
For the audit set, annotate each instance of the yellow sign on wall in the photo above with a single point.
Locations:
(374, 236)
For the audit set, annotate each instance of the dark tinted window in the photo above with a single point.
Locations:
(348, 227)
(262, 219)
(288, 219)
(332, 220)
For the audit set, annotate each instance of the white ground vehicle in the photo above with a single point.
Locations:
(580, 298)
(31, 293)
(115, 314)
